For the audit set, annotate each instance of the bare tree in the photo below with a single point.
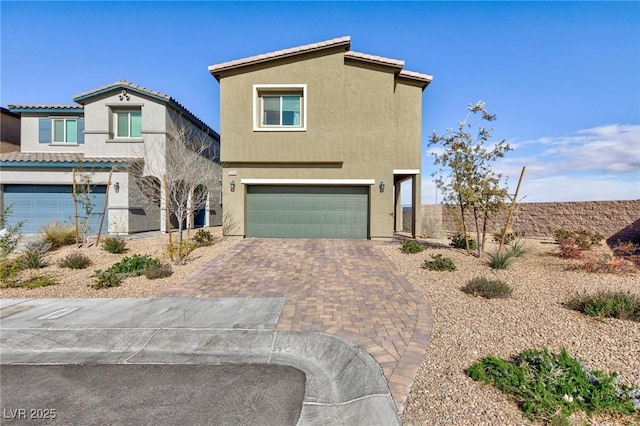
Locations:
(184, 172)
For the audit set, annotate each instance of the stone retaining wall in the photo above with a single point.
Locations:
(616, 220)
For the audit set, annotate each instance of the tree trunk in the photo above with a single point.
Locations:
(478, 242)
(464, 229)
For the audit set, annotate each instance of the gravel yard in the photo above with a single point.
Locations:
(466, 328)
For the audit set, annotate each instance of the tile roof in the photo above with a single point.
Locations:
(336, 42)
(56, 157)
(395, 63)
(425, 78)
(34, 106)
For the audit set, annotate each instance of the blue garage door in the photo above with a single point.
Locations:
(38, 205)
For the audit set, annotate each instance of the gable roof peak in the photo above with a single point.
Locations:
(216, 69)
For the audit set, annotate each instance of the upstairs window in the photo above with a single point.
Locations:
(61, 130)
(280, 107)
(65, 130)
(128, 124)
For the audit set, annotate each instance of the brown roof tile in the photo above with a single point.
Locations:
(56, 157)
(395, 63)
(341, 41)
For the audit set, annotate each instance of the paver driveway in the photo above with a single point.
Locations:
(347, 288)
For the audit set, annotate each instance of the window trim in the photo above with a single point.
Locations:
(277, 90)
(65, 140)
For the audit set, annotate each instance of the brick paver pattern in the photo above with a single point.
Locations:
(347, 288)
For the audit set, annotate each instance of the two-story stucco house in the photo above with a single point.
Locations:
(317, 140)
(105, 130)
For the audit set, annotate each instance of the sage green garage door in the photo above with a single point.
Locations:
(308, 211)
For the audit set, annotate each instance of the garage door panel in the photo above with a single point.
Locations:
(307, 212)
(39, 205)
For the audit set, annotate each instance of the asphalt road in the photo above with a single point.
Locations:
(158, 394)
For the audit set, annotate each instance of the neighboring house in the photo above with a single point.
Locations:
(105, 130)
(9, 131)
(317, 140)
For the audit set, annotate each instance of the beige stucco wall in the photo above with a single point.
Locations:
(361, 124)
(9, 132)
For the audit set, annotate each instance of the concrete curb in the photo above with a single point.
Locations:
(344, 384)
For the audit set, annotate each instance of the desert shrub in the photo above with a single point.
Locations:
(180, 251)
(158, 271)
(411, 246)
(439, 263)
(609, 264)
(489, 289)
(115, 245)
(106, 279)
(501, 259)
(431, 227)
(516, 248)
(203, 238)
(74, 261)
(33, 254)
(583, 239)
(10, 236)
(569, 249)
(9, 269)
(458, 241)
(58, 234)
(134, 266)
(509, 237)
(627, 248)
(547, 385)
(609, 304)
(33, 282)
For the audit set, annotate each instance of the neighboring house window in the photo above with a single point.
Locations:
(65, 130)
(61, 130)
(279, 107)
(128, 124)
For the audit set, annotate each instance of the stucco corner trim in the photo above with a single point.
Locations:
(406, 171)
(308, 181)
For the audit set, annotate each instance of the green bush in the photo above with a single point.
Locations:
(440, 263)
(130, 266)
(547, 385)
(33, 282)
(134, 266)
(489, 289)
(9, 269)
(500, 260)
(203, 238)
(74, 261)
(106, 279)
(11, 235)
(158, 271)
(516, 248)
(33, 254)
(115, 245)
(458, 241)
(583, 239)
(619, 305)
(58, 234)
(411, 246)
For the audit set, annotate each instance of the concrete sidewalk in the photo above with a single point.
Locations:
(344, 385)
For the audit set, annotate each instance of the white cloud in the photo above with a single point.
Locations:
(599, 163)
(613, 148)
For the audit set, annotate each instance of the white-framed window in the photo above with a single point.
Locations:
(128, 124)
(64, 130)
(280, 107)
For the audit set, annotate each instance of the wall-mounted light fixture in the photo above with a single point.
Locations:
(381, 186)
(232, 185)
(116, 187)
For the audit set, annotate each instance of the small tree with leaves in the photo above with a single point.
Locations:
(465, 176)
(10, 235)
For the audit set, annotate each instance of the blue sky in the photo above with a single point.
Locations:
(562, 77)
